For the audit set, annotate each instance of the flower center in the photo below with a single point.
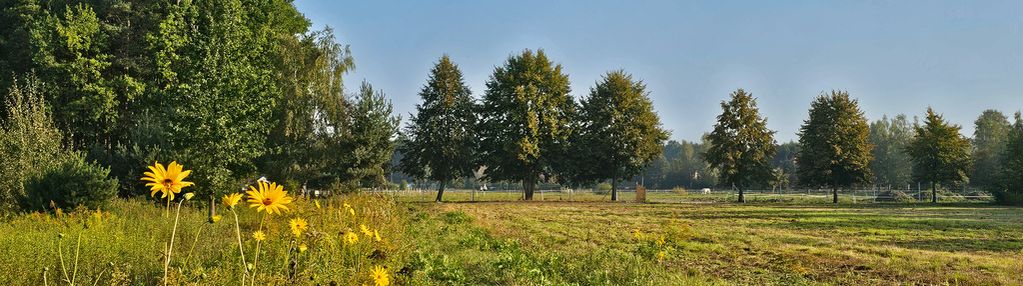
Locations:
(167, 183)
(267, 201)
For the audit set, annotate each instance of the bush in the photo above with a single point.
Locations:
(29, 143)
(74, 183)
(602, 189)
(893, 196)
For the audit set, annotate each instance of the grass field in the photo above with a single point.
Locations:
(692, 241)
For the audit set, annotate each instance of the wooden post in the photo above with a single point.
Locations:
(640, 194)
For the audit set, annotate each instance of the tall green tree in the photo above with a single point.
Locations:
(741, 146)
(989, 138)
(940, 154)
(310, 72)
(620, 129)
(834, 150)
(526, 119)
(1011, 172)
(891, 165)
(441, 142)
(371, 140)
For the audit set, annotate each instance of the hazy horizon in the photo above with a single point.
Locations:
(895, 57)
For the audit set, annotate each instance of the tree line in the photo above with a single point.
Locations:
(239, 89)
(234, 89)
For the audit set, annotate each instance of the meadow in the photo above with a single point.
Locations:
(675, 240)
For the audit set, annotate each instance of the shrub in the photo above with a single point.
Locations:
(29, 143)
(680, 191)
(74, 183)
(893, 196)
(602, 189)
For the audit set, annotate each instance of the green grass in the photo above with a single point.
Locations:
(782, 240)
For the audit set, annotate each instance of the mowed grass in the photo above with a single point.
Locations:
(765, 244)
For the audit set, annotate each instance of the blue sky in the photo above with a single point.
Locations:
(960, 57)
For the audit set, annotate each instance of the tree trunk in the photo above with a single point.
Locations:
(614, 189)
(834, 192)
(742, 197)
(934, 193)
(528, 186)
(440, 191)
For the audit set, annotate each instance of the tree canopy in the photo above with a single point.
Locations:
(741, 146)
(620, 130)
(526, 117)
(441, 140)
(940, 154)
(834, 149)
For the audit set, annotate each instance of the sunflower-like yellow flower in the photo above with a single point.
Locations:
(269, 197)
(168, 181)
(259, 235)
(302, 248)
(376, 236)
(380, 276)
(365, 230)
(317, 204)
(215, 219)
(298, 225)
(351, 238)
(660, 256)
(231, 200)
(660, 241)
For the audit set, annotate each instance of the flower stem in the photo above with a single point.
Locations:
(170, 248)
(238, 231)
(194, 242)
(255, 259)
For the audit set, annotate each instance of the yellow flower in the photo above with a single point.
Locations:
(317, 204)
(188, 196)
(660, 256)
(270, 197)
(215, 219)
(230, 200)
(637, 234)
(365, 230)
(350, 209)
(259, 235)
(351, 238)
(660, 241)
(168, 181)
(302, 247)
(380, 276)
(298, 225)
(376, 236)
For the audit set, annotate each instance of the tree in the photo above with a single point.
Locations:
(371, 141)
(939, 153)
(310, 72)
(784, 163)
(989, 141)
(833, 144)
(741, 146)
(620, 129)
(1011, 172)
(526, 118)
(891, 137)
(441, 142)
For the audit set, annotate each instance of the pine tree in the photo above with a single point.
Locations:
(620, 130)
(834, 149)
(741, 146)
(1011, 171)
(526, 120)
(370, 142)
(939, 153)
(989, 136)
(441, 142)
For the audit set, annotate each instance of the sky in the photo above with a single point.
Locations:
(895, 57)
